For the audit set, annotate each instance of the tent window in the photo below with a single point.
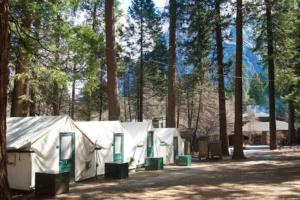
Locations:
(66, 147)
(118, 144)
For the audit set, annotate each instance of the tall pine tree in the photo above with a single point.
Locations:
(238, 152)
(4, 72)
(144, 29)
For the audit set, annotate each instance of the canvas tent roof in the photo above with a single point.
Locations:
(166, 134)
(23, 131)
(257, 126)
(108, 128)
(43, 136)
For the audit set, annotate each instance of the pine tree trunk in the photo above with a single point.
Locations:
(73, 92)
(124, 89)
(89, 106)
(197, 121)
(292, 131)
(129, 107)
(271, 68)
(39, 108)
(55, 89)
(137, 112)
(19, 90)
(171, 122)
(55, 99)
(190, 107)
(189, 111)
(178, 109)
(112, 79)
(32, 104)
(18, 106)
(238, 152)
(222, 100)
(101, 93)
(4, 72)
(141, 83)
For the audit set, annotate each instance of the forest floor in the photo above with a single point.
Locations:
(263, 175)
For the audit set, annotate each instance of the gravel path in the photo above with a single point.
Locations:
(263, 175)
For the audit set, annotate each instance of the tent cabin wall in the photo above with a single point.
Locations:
(20, 170)
(167, 151)
(139, 132)
(156, 145)
(102, 134)
(42, 136)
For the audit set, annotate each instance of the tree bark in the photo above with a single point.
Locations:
(18, 106)
(32, 104)
(190, 107)
(73, 92)
(221, 88)
(124, 96)
(171, 119)
(112, 80)
(55, 99)
(178, 109)
(89, 106)
(19, 90)
(271, 66)
(101, 93)
(292, 130)
(129, 107)
(141, 83)
(238, 152)
(198, 119)
(55, 89)
(4, 73)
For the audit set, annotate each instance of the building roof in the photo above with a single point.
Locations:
(257, 114)
(258, 126)
(187, 133)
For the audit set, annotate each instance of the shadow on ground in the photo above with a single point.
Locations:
(263, 175)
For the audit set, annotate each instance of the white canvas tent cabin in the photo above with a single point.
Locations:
(114, 142)
(171, 144)
(146, 142)
(36, 144)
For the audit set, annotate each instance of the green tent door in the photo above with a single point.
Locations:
(175, 143)
(67, 153)
(118, 147)
(150, 142)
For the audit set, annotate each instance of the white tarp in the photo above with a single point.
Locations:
(166, 136)
(41, 135)
(102, 134)
(139, 132)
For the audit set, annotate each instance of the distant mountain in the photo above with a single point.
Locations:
(249, 58)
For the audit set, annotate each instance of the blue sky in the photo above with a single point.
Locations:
(126, 3)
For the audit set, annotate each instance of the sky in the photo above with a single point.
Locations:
(126, 3)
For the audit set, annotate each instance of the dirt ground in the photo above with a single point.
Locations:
(263, 175)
